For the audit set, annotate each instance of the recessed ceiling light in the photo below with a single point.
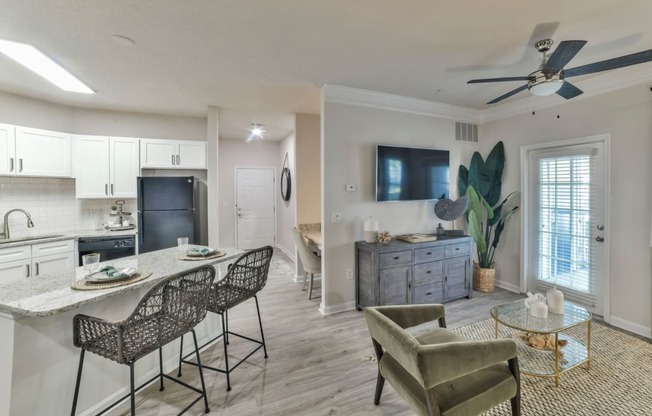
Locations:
(256, 131)
(36, 61)
(123, 40)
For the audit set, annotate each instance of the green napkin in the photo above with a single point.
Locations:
(112, 272)
(200, 251)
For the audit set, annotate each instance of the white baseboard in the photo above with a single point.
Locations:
(630, 326)
(342, 307)
(287, 252)
(299, 278)
(508, 286)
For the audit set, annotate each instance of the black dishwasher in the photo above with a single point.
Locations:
(110, 248)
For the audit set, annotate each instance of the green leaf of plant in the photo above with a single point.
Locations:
(494, 166)
(462, 180)
(475, 229)
(478, 176)
(490, 211)
(501, 226)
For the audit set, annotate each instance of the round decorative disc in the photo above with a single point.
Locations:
(448, 210)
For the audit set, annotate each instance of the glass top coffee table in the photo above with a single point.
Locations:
(553, 361)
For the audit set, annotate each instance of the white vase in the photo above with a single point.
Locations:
(539, 309)
(370, 230)
(555, 300)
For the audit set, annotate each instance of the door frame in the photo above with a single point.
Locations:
(526, 221)
(235, 199)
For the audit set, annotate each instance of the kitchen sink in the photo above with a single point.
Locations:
(36, 237)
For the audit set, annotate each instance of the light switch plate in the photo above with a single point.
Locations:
(351, 188)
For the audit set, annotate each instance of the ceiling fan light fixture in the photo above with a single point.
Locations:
(256, 132)
(543, 85)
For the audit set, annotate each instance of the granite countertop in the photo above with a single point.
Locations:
(66, 235)
(50, 294)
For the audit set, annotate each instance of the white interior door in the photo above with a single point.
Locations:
(255, 210)
(567, 223)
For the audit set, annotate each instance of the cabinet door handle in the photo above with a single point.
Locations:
(112, 189)
(457, 249)
(106, 189)
(178, 159)
(20, 164)
(27, 265)
(173, 159)
(396, 258)
(429, 271)
(11, 164)
(429, 254)
(36, 267)
(428, 293)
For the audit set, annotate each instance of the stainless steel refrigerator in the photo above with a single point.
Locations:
(167, 209)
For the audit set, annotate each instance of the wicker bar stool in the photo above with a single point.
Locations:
(244, 279)
(168, 310)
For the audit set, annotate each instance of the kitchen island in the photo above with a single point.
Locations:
(38, 361)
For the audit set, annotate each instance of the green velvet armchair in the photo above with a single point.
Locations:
(436, 371)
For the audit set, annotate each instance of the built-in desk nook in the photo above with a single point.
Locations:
(401, 272)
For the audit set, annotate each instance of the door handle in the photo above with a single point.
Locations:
(106, 189)
(27, 265)
(20, 164)
(173, 159)
(36, 271)
(112, 190)
(599, 239)
(178, 160)
(11, 164)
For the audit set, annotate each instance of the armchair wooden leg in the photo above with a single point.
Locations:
(380, 383)
(305, 279)
(312, 277)
(516, 400)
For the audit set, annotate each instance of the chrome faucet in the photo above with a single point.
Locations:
(30, 223)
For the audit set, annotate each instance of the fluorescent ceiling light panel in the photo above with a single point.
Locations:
(36, 61)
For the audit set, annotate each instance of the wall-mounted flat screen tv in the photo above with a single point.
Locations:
(411, 174)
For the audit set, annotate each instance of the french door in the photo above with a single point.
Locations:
(567, 222)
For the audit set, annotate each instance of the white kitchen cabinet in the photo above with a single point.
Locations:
(7, 150)
(42, 153)
(106, 167)
(172, 154)
(19, 262)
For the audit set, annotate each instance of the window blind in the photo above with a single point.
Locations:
(565, 218)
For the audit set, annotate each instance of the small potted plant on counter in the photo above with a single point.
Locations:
(114, 209)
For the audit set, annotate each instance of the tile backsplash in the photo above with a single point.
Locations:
(53, 207)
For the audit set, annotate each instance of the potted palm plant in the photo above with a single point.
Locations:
(486, 213)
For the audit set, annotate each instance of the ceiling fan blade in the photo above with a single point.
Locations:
(509, 94)
(614, 63)
(479, 81)
(562, 55)
(569, 91)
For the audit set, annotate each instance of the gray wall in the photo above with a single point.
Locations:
(308, 171)
(286, 211)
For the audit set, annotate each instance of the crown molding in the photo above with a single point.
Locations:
(592, 87)
(380, 100)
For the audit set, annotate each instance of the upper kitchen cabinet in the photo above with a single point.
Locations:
(172, 154)
(7, 150)
(32, 152)
(106, 167)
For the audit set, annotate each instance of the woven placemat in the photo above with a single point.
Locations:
(84, 284)
(210, 256)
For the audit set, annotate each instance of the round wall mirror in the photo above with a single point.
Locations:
(286, 184)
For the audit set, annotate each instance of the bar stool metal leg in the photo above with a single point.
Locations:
(226, 354)
(201, 372)
(260, 323)
(180, 356)
(79, 373)
(133, 393)
(160, 366)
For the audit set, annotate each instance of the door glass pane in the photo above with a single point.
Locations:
(564, 222)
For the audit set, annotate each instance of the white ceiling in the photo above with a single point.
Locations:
(263, 61)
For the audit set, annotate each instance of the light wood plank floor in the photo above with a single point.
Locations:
(317, 365)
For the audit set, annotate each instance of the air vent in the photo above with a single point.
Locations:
(466, 132)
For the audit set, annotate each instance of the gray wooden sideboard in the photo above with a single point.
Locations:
(400, 272)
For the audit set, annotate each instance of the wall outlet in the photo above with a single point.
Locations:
(336, 217)
(349, 274)
(351, 188)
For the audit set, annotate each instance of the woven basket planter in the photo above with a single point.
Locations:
(484, 280)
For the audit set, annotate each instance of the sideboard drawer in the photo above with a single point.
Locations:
(397, 258)
(454, 250)
(428, 272)
(422, 255)
(431, 293)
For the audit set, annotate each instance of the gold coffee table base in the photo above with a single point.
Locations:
(535, 362)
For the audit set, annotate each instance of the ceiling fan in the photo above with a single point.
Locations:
(551, 76)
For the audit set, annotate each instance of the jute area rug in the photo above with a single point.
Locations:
(619, 382)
